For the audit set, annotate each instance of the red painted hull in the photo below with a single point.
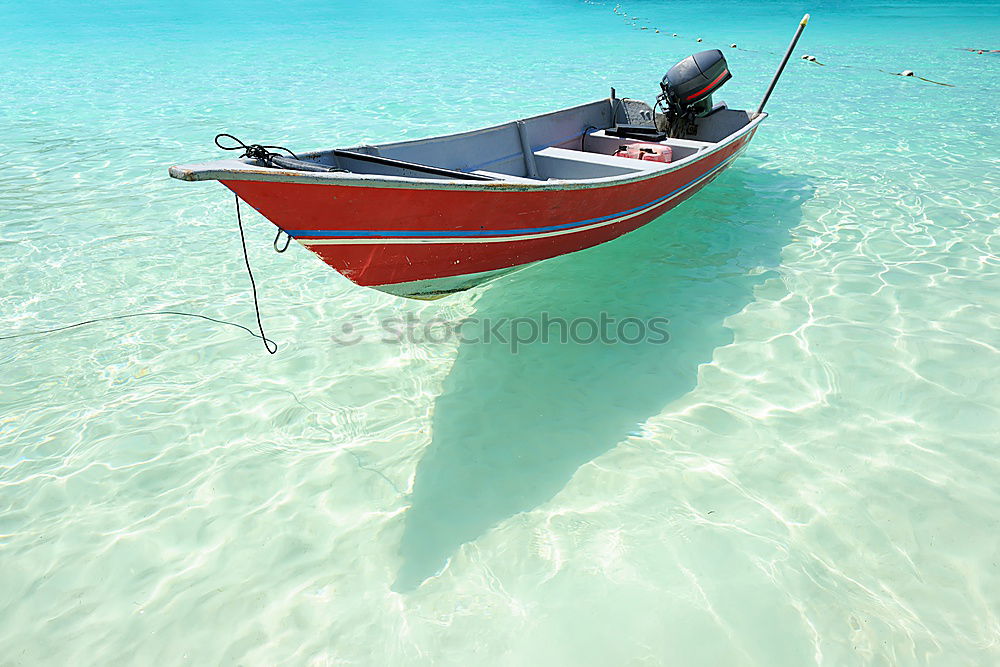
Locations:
(383, 236)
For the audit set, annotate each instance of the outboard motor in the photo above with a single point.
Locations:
(687, 91)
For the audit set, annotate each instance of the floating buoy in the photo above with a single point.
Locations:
(732, 46)
(698, 40)
(675, 34)
(657, 31)
(909, 72)
(643, 28)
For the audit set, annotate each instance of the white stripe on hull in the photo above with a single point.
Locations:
(435, 288)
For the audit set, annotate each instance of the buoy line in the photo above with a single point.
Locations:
(617, 9)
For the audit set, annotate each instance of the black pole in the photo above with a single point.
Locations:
(781, 67)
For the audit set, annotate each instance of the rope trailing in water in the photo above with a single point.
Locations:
(42, 332)
(269, 344)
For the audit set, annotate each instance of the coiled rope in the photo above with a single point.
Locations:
(252, 151)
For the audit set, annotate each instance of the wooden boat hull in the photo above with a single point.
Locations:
(554, 187)
(429, 241)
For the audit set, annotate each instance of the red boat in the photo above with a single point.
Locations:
(434, 216)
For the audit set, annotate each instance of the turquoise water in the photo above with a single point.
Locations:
(805, 473)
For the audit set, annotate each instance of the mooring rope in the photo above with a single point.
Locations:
(269, 344)
(253, 285)
(252, 151)
(42, 332)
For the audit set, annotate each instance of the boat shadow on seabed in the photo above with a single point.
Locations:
(510, 430)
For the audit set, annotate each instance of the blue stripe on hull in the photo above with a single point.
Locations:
(300, 233)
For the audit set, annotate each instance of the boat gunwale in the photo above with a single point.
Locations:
(205, 172)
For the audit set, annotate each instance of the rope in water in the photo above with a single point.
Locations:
(256, 152)
(42, 332)
(269, 344)
(253, 285)
(633, 22)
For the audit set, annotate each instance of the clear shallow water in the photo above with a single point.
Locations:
(804, 473)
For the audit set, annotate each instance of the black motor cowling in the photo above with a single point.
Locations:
(687, 89)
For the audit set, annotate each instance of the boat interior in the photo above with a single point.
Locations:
(572, 144)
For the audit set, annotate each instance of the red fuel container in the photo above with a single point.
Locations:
(646, 151)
